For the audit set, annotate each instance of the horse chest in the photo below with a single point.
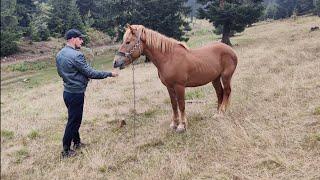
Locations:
(170, 78)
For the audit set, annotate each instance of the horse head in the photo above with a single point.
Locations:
(131, 47)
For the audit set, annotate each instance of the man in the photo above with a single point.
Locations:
(75, 72)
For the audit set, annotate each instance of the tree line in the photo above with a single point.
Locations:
(38, 20)
(279, 9)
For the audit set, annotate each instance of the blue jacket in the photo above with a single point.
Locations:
(75, 71)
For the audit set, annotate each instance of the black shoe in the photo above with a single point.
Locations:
(79, 145)
(68, 153)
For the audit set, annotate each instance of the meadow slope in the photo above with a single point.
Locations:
(271, 131)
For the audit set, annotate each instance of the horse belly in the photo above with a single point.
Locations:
(199, 79)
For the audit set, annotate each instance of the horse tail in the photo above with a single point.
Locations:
(234, 58)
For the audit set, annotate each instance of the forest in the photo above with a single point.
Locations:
(40, 20)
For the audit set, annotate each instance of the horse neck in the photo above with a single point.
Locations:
(156, 56)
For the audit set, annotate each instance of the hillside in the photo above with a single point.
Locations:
(271, 131)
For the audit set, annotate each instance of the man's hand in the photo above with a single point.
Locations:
(114, 74)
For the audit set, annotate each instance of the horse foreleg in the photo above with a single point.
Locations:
(180, 91)
(174, 104)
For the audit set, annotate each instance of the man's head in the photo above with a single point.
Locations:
(74, 38)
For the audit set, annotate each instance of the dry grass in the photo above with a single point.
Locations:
(270, 132)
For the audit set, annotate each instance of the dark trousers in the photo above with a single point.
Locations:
(74, 103)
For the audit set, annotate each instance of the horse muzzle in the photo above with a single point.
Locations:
(119, 62)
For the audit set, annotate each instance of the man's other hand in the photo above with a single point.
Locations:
(114, 74)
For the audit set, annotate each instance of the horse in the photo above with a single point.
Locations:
(180, 67)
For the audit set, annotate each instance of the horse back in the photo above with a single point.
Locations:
(215, 52)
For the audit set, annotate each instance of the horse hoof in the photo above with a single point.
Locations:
(218, 115)
(180, 129)
(173, 126)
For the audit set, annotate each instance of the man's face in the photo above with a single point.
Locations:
(78, 42)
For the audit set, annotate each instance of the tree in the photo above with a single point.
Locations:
(305, 6)
(271, 11)
(232, 15)
(10, 33)
(85, 6)
(39, 24)
(111, 16)
(64, 16)
(285, 8)
(317, 7)
(25, 9)
(165, 16)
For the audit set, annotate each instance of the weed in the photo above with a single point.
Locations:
(102, 169)
(21, 155)
(197, 94)
(311, 141)
(317, 111)
(33, 134)
(152, 143)
(150, 113)
(7, 134)
(167, 101)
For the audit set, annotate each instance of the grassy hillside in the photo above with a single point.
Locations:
(271, 131)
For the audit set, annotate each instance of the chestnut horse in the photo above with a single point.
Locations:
(180, 67)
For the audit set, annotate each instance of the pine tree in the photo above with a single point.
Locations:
(232, 15)
(10, 33)
(285, 8)
(39, 24)
(64, 16)
(25, 10)
(317, 7)
(305, 6)
(165, 16)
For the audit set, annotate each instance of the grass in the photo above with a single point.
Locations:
(21, 154)
(33, 134)
(191, 95)
(317, 111)
(271, 130)
(29, 66)
(6, 134)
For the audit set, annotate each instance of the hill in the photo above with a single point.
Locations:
(271, 130)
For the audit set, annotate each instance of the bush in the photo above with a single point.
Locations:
(9, 42)
(97, 38)
(39, 32)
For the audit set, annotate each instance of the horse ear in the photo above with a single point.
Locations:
(131, 28)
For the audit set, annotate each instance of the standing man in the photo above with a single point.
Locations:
(75, 72)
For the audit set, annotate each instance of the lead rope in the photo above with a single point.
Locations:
(134, 104)
(134, 92)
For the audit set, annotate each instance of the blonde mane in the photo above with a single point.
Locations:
(156, 40)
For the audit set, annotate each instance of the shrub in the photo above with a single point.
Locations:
(97, 38)
(9, 42)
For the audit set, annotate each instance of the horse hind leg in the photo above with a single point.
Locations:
(219, 90)
(226, 82)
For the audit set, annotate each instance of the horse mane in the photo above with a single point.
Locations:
(155, 40)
